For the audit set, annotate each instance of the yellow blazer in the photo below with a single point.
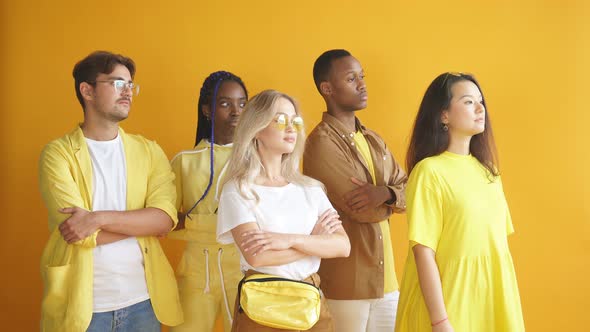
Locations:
(65, 180)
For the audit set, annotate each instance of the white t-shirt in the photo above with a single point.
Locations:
(291, 209)
(119, 276)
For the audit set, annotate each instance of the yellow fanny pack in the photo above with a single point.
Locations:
(279, 302)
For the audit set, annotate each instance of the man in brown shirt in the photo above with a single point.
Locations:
(366, 185)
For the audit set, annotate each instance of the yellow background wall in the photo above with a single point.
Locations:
(531, 58)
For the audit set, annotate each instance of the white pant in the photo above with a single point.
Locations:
(372, 315)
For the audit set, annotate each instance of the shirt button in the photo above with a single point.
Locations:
(343, 135)
(380, 262)
(351, 135)
(384, 158)
(352, 143)
(380, 237)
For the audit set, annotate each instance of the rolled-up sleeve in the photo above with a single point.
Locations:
(161, 191)
(397, 183)
(59, 189)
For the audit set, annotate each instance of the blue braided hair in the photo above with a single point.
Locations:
(206, 126)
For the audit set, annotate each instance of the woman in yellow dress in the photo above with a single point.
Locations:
(459, 274)
(208, 273)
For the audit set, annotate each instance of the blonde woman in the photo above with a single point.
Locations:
(281, 220)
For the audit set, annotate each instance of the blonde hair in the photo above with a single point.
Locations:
(244, 164)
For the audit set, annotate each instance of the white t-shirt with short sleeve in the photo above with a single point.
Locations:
(290, 209)
(118, 273)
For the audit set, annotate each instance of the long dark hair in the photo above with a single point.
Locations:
(206, 126)
(428, 137)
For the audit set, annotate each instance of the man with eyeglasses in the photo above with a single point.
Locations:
(109, 195)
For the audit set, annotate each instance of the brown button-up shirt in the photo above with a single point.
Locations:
(332, 158)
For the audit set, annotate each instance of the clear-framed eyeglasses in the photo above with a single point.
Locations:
(121, 85)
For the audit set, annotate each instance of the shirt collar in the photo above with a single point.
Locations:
(206, 143)
(342, 131)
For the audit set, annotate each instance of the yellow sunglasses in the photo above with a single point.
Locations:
(282, 122)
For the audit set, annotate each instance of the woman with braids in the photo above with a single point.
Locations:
(459, 274)
(208, 273)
